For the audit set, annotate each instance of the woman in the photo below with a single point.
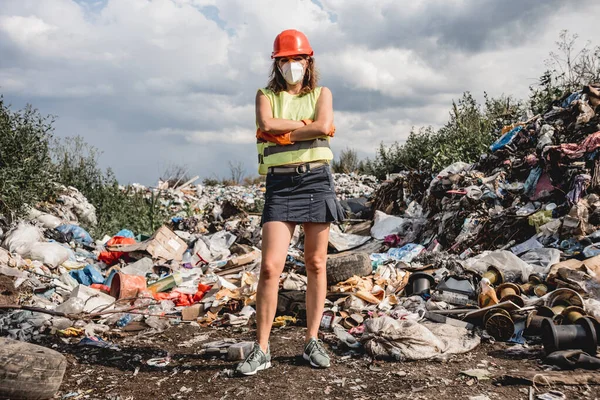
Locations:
(294, 120)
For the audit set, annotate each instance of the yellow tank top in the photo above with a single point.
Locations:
(297, 108)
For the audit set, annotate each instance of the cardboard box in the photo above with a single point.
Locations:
(591, 264)
(191, 313)
(243, 259)
(164, 245)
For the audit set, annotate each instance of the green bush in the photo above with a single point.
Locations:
(468, 134)
(76, 163)
(26, 173)
(347, 162)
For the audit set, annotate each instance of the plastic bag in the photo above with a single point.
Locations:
(20, 239)
(125, 233)
(451, 169)
(111, 257)
(74, 305)
(79, 234)
(385, 225)
(48, 221)
(406, 253)
(51, 254)
(513, 268)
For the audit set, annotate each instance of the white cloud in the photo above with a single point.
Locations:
(173, 81)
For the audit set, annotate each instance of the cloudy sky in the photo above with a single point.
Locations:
(163, 82)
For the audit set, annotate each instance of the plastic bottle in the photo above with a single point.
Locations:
(187, 260)
(73, 305)
(124, 320)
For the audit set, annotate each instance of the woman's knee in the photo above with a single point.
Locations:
(270, 270)
(316, 263)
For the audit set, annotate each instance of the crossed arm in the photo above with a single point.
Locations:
(321, 126)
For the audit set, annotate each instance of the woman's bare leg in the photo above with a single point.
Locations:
(276, 238)
(316, 239)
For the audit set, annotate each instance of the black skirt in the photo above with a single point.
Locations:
(304, 197)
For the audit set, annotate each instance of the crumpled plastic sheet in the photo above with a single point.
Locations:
(385, 225)
(513, 267)
(22, 325)
(541, 259)
(410, 340)
(213, 248)
(455, 168)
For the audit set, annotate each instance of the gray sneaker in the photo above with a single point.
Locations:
(257, 360)
(315, 353)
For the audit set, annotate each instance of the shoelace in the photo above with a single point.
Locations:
(254, 356)
(318, 346)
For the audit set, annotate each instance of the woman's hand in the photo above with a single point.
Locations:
(283, 139)
(323, 123)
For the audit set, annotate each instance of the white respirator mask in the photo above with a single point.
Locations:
(292, 72)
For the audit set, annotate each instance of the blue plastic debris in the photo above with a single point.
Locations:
(505, 139)
(125, 233)
(406, 253)
(79, 234)
(95, 341)
(110, 277)
(572, 97)
(81, 277)
(94, 275)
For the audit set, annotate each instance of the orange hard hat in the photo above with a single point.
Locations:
(290, 43)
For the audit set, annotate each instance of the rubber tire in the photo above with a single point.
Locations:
(29, 371)
(343, 266)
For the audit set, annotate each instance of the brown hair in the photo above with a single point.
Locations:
(278, 84)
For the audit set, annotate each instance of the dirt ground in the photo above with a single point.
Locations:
(8, 293)
(95, 373)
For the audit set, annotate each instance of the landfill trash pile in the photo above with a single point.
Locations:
(350, 186)
(508, 244)
(202, 267)
(506, 249)
(217, 203)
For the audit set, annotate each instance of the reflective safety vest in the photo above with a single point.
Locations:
(297, 108)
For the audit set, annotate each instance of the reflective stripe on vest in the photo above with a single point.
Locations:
(299, 152)
(304, 145)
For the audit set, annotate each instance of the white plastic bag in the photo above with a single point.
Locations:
(513, 268)
(48, 221)
(20, 239)
(386, 225)
(51, 254)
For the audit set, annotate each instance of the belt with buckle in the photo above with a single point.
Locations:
(300, 169)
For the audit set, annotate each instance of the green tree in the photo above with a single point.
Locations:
(470, 130)
(347, 162)
(26, 174)
(117, 207)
